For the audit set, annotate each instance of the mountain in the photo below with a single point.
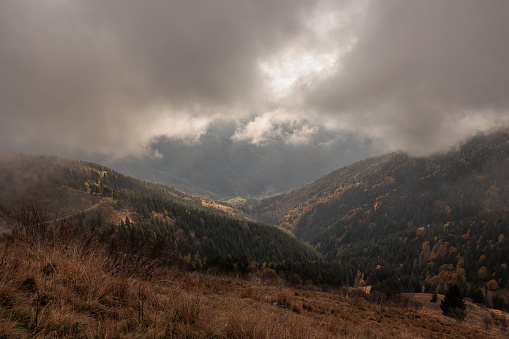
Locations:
(409, 221)
(218, 167)
(101, 271)
(189, 225)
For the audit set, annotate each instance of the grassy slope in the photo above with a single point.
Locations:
(61, 291)
(26, 177)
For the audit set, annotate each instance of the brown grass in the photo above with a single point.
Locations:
(57, 290)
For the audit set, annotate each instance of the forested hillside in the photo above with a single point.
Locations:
(127, 207)
(411, 222)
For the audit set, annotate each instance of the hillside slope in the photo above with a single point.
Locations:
(61, 288)
(416, 220)
(129, 206)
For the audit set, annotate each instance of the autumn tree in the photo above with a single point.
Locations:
(482, 274)
(492, 285)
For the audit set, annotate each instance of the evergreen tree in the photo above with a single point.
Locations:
(477, 296)
(453, 304)
(434, 297)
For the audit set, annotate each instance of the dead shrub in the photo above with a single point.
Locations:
(12, 330)
(261, 323)
(499, 321)
(28, 285)
(243, 325)
(7, 297)
(282, 300)
(252, 293)
(487, 323)
(187, 308)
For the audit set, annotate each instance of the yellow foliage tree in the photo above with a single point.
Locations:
(492, 285)
(482, 274)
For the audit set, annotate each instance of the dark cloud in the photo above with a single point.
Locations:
(423, 74)
(108, 77)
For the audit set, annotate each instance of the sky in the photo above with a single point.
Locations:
(111, 77)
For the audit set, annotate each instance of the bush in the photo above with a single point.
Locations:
(269, 274)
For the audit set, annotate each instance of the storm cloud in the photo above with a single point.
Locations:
(110, 77)
(422, 75)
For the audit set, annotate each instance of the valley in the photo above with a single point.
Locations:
(396, 225)
(254, 169)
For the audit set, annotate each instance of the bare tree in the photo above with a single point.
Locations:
(28, 221)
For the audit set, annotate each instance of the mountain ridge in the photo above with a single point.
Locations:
(384, 212)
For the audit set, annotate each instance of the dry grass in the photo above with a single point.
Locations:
(57, 291)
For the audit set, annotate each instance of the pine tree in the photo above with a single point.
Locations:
(434, 297)
(453, 304)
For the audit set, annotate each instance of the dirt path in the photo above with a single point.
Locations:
(5, 229)
(75, 213)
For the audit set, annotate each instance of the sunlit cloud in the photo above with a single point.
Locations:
(329, 35)
(277, 126)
